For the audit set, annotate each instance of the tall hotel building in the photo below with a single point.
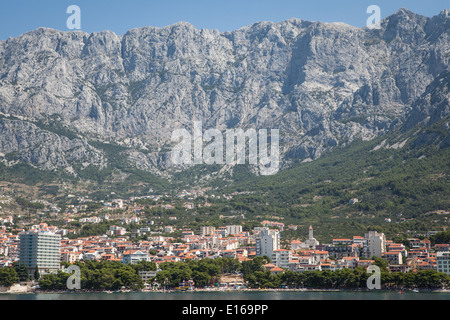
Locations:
(376, 244)
(41, 249)
(267, 242)
(443, 262)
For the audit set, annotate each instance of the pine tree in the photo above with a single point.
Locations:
(22, 271)
(36, 274)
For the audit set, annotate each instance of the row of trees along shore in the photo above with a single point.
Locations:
(105, 275)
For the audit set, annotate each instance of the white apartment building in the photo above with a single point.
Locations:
(234, 229)
(208, 231)
(115, 230)
(376, 244)
(134, 256)
(168, 229)
(281, 258)
(394, 258)
(267, 241)
(41, 249)
(443, 262)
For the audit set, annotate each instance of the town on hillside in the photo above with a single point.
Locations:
(46, 247)
(120, 231)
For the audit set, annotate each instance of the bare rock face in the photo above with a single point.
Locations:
(321, 84)
(45, 149)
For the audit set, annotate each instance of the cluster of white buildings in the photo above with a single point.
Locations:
(7, 220)
(350, 253)
(45, 246)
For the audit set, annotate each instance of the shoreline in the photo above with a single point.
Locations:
(229, 290)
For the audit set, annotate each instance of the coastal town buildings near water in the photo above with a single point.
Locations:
(44, 247)
(133, 234)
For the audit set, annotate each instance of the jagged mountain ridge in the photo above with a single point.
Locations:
(321, 84)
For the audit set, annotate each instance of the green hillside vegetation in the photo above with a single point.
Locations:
(100, 181)
(405, 185)
(408, 185)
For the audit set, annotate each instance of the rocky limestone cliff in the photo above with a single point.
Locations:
(323, 85)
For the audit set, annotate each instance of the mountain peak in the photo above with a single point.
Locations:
(444, 14)
(183, 24)
(403, 11)
(404, 14)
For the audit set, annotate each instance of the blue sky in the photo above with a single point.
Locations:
(20, 16)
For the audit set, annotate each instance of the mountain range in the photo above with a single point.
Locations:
(77, 102)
